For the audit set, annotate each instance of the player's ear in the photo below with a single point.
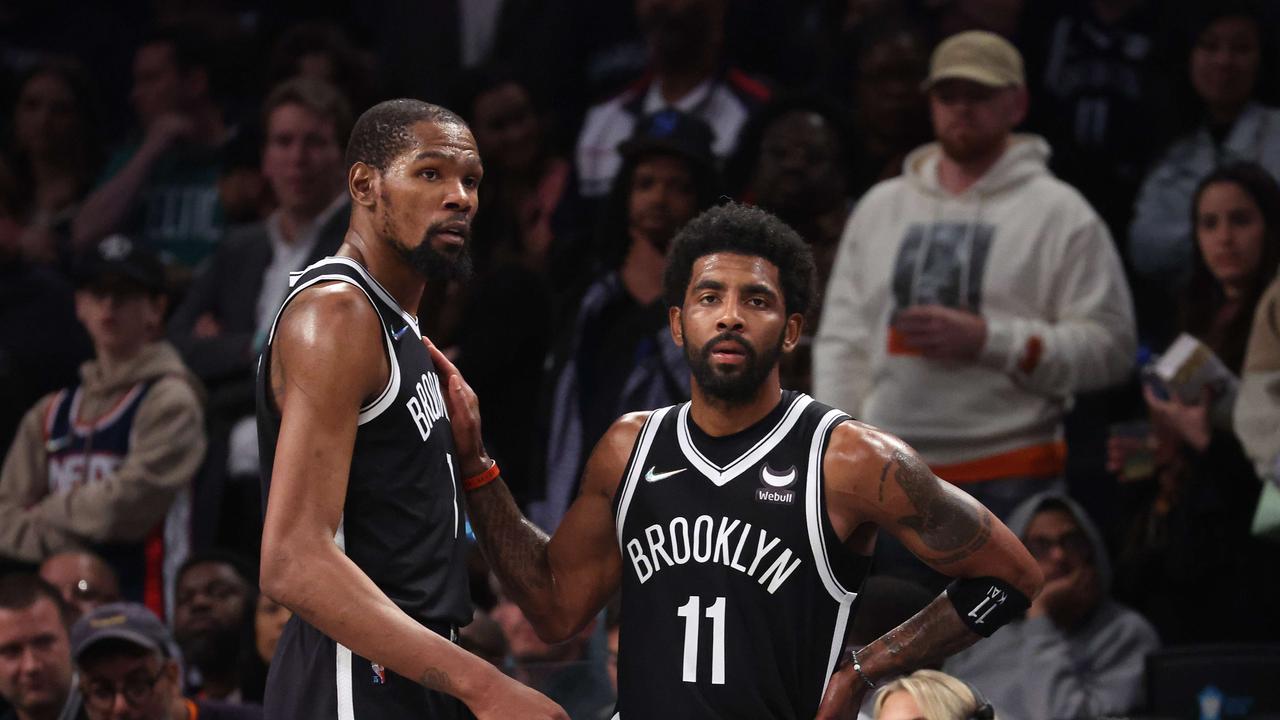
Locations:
(363, 183)
(792, 332)
(677, 329)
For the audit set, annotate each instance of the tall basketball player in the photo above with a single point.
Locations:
(740, 525)
(363, 527)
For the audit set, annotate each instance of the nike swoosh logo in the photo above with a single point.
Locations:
(653, 476)
(774, 480)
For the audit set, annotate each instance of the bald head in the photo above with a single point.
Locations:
(84, 579)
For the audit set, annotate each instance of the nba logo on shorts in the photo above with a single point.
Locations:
(776, 486)
(379, 674)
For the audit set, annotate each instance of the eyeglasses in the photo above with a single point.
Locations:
(136, 690)
(1072, 543)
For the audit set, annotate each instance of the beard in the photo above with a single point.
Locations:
(969, 147)
(737, 386)
(212, 650)
(428, 262)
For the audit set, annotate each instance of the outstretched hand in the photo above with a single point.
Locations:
(464, 415)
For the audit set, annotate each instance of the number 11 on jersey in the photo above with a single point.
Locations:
(715, 612)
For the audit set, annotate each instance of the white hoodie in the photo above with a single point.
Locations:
(1019, 247)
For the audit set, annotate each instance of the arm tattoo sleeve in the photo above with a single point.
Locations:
(930, 636)
(953, 530)
(515, 548)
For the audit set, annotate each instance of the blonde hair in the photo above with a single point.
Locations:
(939, 696)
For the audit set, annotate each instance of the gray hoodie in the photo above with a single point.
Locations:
(1032, 670)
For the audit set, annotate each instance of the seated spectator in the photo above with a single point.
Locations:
(224, 319)
(36, 677)
(930, 695)
(84, 579)
(1189, 529)
(563, 672)
(54, 157)
(212, 621)
(163, 188)
(1078, 653)
(884, 62)
(974, 296)
(107, 464)
(794, 156)
(524, 180)
(1225, 70)
(1257, 411)
(617, 356)
(687, 73)
(41, 343)
(320, 50)
(793, 159)
(128, 668)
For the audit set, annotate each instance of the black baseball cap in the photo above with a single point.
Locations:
(117, 257)
(671, 132)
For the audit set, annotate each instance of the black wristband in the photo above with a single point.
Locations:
(985, 604)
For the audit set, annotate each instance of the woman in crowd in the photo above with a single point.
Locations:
(53, 155)
(1224, 122)
(1189, 536)
(930, 695)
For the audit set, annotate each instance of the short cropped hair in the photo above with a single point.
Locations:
(316, 96)
(241, 565)
(19, 591)
(743, 230)
(384, 131)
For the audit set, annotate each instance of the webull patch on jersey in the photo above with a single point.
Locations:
(775, 486)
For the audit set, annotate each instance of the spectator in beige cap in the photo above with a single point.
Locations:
(975, 294)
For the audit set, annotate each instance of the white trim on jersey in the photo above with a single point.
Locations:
(632, 477)
(390, 392)
(342, 655)
(374, 408)
(813, 506)
(453, 483)
(381, 291)
(722, 475)
(817, 538)
(346, 699)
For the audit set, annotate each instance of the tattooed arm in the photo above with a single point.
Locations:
(559, 582)
(875, 481)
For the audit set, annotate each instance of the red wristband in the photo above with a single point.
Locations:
(484, 478)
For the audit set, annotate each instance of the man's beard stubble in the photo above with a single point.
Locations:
(739, 387)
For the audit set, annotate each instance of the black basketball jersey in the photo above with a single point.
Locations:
(403, 521)
(736, 591)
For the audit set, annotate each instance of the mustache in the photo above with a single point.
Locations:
(461, 226)
(747, 350)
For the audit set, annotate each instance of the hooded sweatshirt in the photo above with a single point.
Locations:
(39, 516)
(1020, 248)
(1257, 411)
(1031, 669)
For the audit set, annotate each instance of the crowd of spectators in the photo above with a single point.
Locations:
(1003, 255)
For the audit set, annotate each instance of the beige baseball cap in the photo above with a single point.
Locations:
(976, 55)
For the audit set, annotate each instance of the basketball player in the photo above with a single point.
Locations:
(363, 529)
(740, 525)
